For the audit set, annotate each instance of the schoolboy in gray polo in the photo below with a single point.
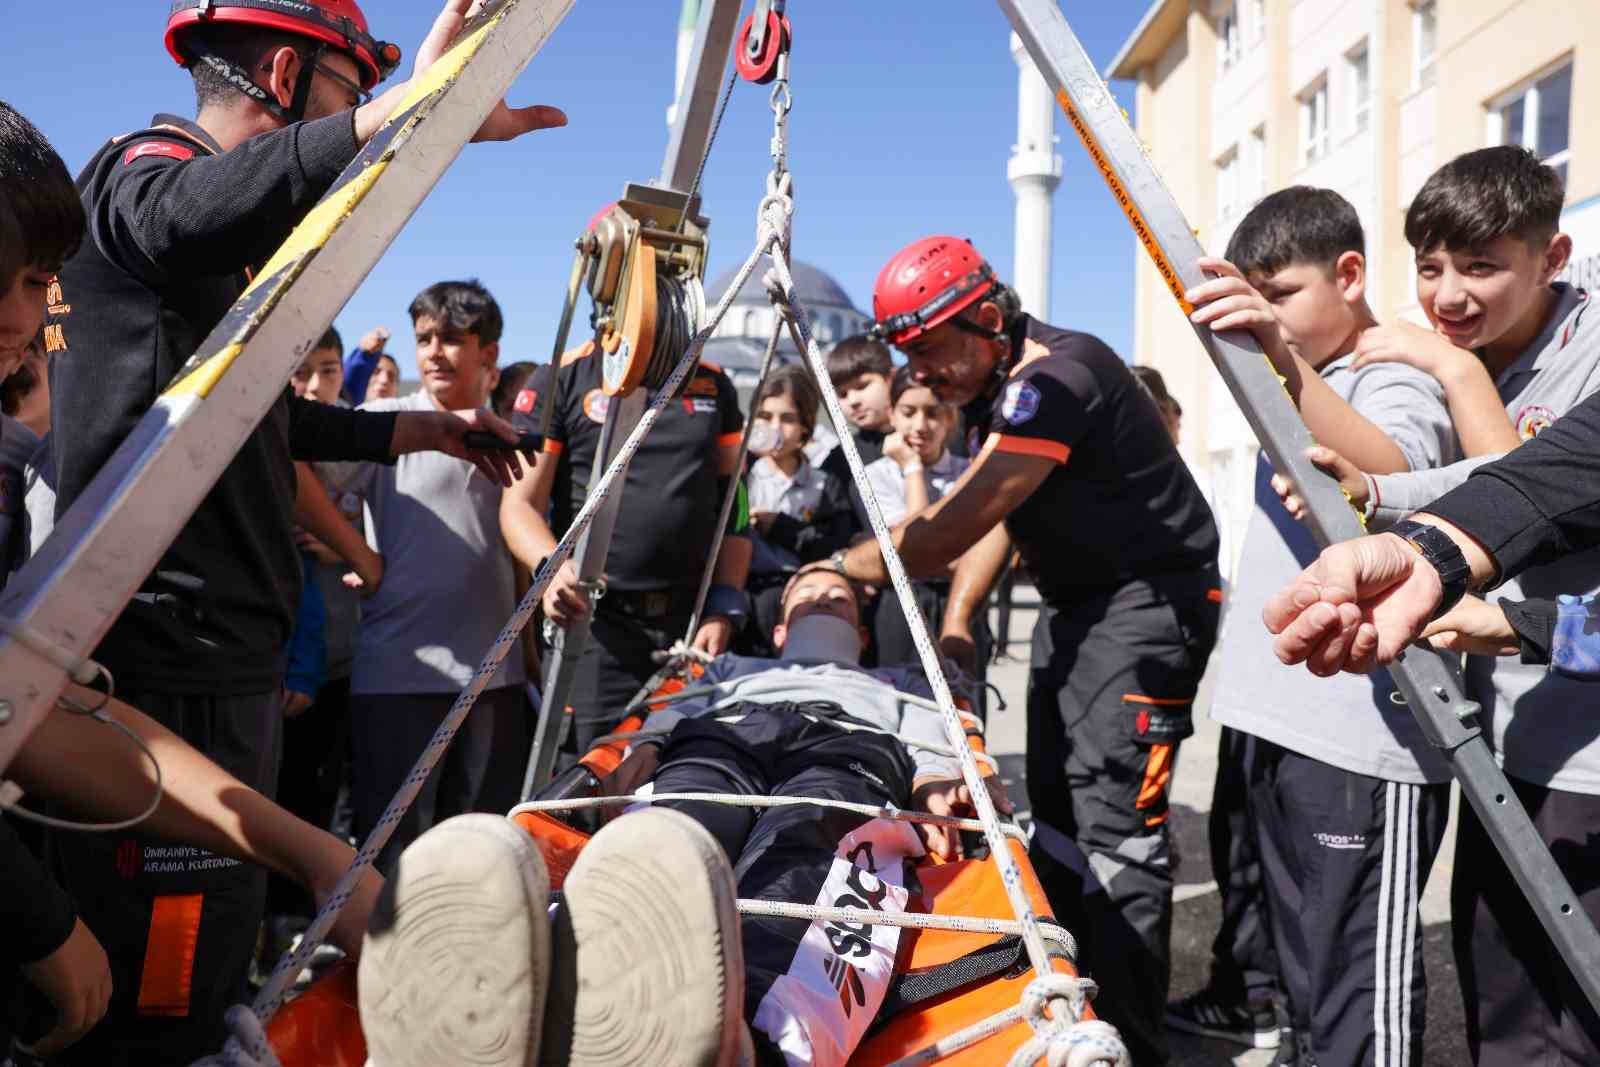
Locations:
(447, 591)
(1341, 790)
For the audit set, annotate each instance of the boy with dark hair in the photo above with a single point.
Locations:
(447, 590)
(1339, 917)
(1485, 229)
(859, 368)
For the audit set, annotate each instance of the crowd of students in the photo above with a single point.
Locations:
(314, 621)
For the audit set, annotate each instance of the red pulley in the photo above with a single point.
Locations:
(762, 67)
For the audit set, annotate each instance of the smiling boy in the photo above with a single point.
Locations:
(1486, 232)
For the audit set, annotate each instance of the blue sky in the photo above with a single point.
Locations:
(904, 115)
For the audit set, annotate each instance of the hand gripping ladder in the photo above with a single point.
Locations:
(1430, 683)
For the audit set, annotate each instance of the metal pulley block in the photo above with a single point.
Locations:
(648, 259)
(763, 38)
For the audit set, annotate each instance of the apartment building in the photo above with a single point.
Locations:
(1237, 98)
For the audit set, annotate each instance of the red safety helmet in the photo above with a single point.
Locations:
(337, 24)
(926, 283)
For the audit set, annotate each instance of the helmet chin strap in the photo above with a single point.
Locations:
(240, 79)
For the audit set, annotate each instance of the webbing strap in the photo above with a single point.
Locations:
(912, 989)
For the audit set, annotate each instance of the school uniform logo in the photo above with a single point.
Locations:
(1021, 403)
(525, 400)
(595, 404)
(1534, 420)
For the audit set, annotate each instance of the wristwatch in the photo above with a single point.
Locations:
(836, 561)
(1435, 546)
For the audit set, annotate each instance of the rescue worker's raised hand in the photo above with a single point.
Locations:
(950, 796)
(714, 635)
(1474, 626)
(1357, 607)
(1351, 480)
(76, 980)
(563, 600)
(504, 123)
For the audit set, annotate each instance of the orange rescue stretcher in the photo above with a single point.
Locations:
(322, 1027)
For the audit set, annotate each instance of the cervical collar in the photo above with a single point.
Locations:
(825, 638)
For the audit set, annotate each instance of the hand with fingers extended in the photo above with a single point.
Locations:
(1350, 478)
(76, 980)
(447, 432)
(504, 123)
(1356, 608)
(1229, 302)
(714, 636)
(564, 598)
(950, 796)
(1408, 343)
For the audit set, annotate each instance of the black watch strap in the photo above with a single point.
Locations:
(1435, 546)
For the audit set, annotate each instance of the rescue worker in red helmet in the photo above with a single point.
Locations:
(180, 214)
(1074, 464)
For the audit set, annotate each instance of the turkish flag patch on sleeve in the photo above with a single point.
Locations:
(525, 400)
(157, 148)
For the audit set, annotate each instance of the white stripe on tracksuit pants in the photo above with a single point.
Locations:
(1344, 860)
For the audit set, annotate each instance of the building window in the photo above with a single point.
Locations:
(1425, 41)
(1538, 116)
(1229, 192)
(1228, 43)
(1253, 166)
(1358, 82)
(1314, 122)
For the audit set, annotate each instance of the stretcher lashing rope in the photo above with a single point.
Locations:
(272, 994)
(1056, 1027)
(916, 920)
(758, 800)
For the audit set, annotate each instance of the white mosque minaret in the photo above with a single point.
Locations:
(1034, 171)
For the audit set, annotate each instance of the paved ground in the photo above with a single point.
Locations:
(1196, 915)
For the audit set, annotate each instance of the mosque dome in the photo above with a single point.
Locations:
(741, 339)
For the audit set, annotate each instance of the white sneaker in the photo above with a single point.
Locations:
(648, 968)
(456, 961)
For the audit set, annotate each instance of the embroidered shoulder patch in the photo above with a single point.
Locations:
(525, 400)
(1021, 402)
(157, 148)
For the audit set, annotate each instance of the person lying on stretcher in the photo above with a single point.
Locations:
(647, 958)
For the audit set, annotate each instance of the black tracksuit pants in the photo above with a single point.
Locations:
(1522, 1005)
(178, 923)
(1345, 859)
(1244, 964)
(811, 989)
(1109, 699)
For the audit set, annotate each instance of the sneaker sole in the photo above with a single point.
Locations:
(656, 971)
(1255, 1039)
(456, 961)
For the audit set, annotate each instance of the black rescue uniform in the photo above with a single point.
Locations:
(175, 225)
(1123, 550)
(662, 539)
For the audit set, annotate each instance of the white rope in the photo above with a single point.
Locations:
(955, 730)
(954, 1043)
(916, 920)
(271, 996)
(756, 800)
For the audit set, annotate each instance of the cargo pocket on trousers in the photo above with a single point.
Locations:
(1157, 725)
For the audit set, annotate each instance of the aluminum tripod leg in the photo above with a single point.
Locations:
(62, 602)
(1431, 685)
(621, 417)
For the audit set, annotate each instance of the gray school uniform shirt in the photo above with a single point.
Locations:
(1545, 727)
(1348, 720)
(873, 696)
(447, 583)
